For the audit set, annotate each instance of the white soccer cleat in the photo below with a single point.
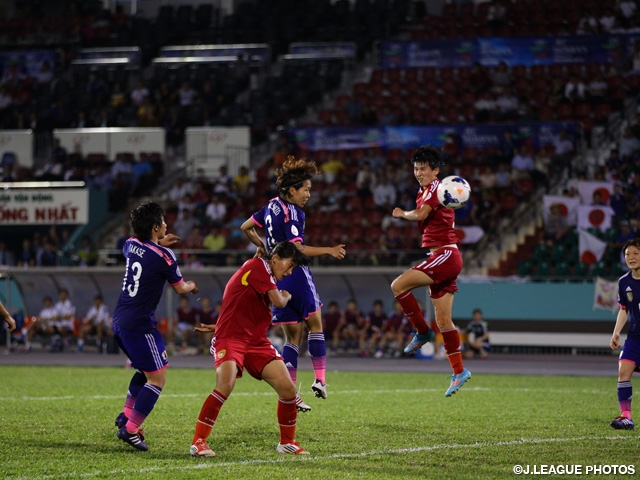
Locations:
(319, 389)
(291, 448)
(301, 406)
(201, 449)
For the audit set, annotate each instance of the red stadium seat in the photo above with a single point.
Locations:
(565, 111)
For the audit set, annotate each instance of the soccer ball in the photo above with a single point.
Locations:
(453, 192)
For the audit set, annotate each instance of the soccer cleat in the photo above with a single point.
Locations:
(622, 423)
(201, 449)
(292, 448)
(132, 439)
(121, 421)
(418, 341)
(457, 381)
(319, 389)
(301, 406)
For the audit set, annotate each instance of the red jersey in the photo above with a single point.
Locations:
(437, 229)
(246, 308)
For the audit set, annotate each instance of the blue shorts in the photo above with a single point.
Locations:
(304, 297)
(145, 350)
(631, 352)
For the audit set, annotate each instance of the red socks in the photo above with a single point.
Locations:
(452, 347)
(287, 414)
(208, 414)
(412, 310)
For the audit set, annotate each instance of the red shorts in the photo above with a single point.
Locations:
(443, 266)
(252, 357)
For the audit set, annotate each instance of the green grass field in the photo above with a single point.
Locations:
(57, 422)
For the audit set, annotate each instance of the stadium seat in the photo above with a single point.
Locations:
(543, 268)
(525, 268)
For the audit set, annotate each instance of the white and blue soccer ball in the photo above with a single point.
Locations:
(453, 192)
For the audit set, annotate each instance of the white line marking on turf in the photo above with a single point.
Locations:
(336, 392)
(339, 456)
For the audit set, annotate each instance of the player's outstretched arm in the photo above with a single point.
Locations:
(169, 240)
(413, 215)
(186, 287)
(337, 251)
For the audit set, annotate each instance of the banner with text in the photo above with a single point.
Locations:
(514, 51)
(404, 137)
(44, 207)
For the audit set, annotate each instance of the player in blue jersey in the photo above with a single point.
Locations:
(283, 220)
(629, 362)
(149, 264)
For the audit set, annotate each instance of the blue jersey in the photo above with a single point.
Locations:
(629, 299)
(148, 267)
(282, 221)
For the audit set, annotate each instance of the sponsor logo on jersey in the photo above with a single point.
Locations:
(222, 353)
(629, 294)
(294, 230)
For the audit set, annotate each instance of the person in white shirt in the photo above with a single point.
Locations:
(97, 322)
(139, 94)
(45, 323)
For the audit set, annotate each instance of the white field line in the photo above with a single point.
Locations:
(339, 456)
(338, 392)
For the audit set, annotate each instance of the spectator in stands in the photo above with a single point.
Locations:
(477, 336)
(384, 194)
(348, 330)
(122, 174)
(625, 234)
(242, 183)
(65, 322)
(564, 150)
(96, 322)
(506, 105)
(479, 78)
(80, 121)
(186, 95)
(45, 323)
(555, 226)
(118, 98)
(574, 89)
(371, 332)
(354, 108)
(87, 254)
(597, 89)
(628, 143)
(27, 255)
(503, 177)
(620, 61)
(147, 113)
(194, 239)
(387, 116)
(330, 320)
(497, 13)
(588, 24)
(395, 333)
(485, 107)
(98, 89)
(223, 183)
(186, 320)
(193, 261)
(628, 10)
(617, 200)
(174, 129)
(214, 242)
(103, 119)
(487, 180)
(49, 255)
(178, 190)
(501, 77)
(7, 257)
(332, 168)
(216, 211)
(139, 93)
(101, 179)
(522, 163)
(184, 223)
(607, 20)
(486, 211)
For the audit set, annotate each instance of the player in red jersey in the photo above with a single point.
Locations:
(241, 342)
(439, 271)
